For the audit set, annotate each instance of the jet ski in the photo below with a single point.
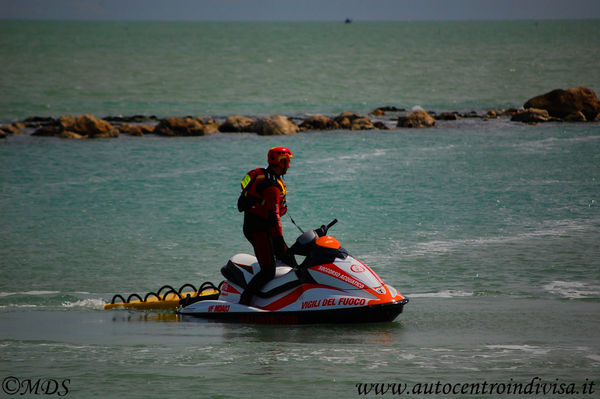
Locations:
(329, 286)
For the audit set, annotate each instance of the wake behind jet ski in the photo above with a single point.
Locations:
(329, 286)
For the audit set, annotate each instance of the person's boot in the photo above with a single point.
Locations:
(246, 297)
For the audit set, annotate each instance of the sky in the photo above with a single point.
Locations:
(298, 10)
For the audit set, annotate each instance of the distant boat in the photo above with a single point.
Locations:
(348, 21)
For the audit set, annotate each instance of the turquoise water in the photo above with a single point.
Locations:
(176, 69)
(491, 228)
(491, 231)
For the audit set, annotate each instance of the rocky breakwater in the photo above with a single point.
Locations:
(572, 105)
(270, 126)
(344, 121)
(77, 127)
(578, 104)
(11, 129)
(273, 126)
(89, 126)
(183, 127)
(418, 118)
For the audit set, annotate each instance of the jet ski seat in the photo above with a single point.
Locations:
(241, 267)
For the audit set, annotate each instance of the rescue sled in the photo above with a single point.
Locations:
(166, 298)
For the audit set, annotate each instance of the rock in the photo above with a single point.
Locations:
(274, 125)
(13, 128)
(575, 117)
(344, 120)
(236, 124)
(511, 111)
(48, 130)
(38, 121)
(78, 127)
(531, 115)
(491, 114)
(352, 121)
(470, 114)
(136, 130)
(561, 103)
(377, 112)
(348, 115)
(391, 108)
(87, 125)
(363, 123)
(187, 126)
(210, 126)
(380, 126)
(416, 119)
(447, 116)
(318, 122)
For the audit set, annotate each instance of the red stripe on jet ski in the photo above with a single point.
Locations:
(293, 296)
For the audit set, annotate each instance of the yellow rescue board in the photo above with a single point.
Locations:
(169, 301)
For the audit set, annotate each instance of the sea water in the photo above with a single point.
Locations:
(490, 228)
(178, 69)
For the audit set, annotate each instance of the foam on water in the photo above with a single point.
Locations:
(533, 350)
(573, 289)
(32, 293)
(551, 229)
(90, 303)
(441, 294)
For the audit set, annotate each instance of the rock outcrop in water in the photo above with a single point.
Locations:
(318, 122)
(236, 124)
(352, 121)
(269, 126)
(416, 119)
(181, 127)
(11, 129)
(136, 129)
(447, 116)
(344, 121)
(531, 115)
(273, 126)
(572, 105)
(568, 104)
(77, 127)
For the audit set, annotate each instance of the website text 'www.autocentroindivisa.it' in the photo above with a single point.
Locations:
(535, 386)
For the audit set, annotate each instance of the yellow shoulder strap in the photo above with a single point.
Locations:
(245, 181)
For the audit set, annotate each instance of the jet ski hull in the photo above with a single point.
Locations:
(227, 312)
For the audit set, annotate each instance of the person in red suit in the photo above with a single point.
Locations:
(263, 202)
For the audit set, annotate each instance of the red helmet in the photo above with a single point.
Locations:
(280, 156)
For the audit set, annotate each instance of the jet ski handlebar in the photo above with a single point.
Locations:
(309, 236)
(334, 221)
(322, 231)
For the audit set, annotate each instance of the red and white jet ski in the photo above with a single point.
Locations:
(329, 286)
